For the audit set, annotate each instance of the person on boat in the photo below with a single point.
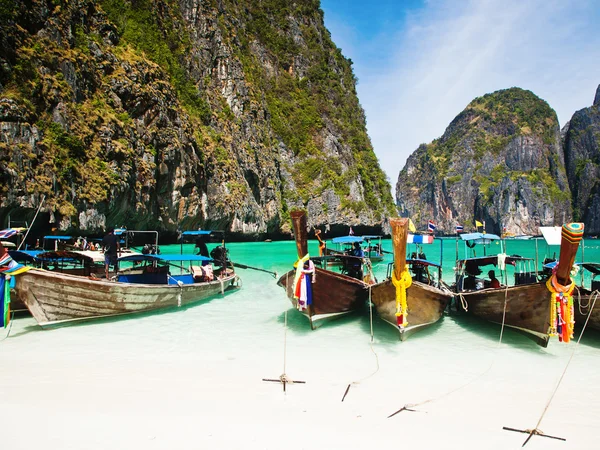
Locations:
(322, 244)
(494, 283)
(202, 249)
(355, 264)
(112, 250)
(470, 282)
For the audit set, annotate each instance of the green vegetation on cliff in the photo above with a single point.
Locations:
(121, 101)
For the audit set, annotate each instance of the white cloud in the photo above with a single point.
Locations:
(450, 52)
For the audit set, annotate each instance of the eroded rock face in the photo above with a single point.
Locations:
(215, 116)
(499, 161)
(582, 161)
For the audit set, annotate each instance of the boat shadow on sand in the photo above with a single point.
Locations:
(386, 333)
(299, 323)
(90, 321)
(490, 331)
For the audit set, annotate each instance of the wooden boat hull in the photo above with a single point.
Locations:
(583, 302)
(54, 298)
(425, 303)
(527, 308)
(334, 294)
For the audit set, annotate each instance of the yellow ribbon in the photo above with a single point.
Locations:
(401, 286)
(299, 265)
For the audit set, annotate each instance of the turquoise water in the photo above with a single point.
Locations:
(194, 377)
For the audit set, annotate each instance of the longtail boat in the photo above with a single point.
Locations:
(328, 293)
(527, 305)
(425, 296)
(71, 293)
(587, 299)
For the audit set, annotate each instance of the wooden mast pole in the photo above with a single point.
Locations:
(399, 237)
(571, 235)
(299, 223)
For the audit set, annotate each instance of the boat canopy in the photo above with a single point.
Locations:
(347, 239)
(366, 237)
(552, 235)
(58, 238)
(419, 239)
(165, 258)
(196, 233)
(592, 267)
(473, 265)
(422, 262)
(24, 255)
(479, 238)
(63, 256)
(8, 244)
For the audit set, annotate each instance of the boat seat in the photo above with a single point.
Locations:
(525, 278)
(202, 273)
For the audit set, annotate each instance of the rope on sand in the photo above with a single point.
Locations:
(536, 431)
(409, 406)
(371, 347)
(12, 316)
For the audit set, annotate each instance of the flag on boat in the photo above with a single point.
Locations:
(430, 226)
(478, 224)
(351, 232)
(411, 226)
(459, 228)
(8, 232)
(4, 301)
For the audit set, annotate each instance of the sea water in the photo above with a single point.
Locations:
(193, 377)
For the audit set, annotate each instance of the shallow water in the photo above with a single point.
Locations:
(193, 378)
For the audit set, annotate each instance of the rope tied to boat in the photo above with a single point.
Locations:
(401, 285)
(180, 284)
(562, 310)
(463, 302)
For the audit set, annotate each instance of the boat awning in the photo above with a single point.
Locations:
(196, 233)
(164, 258)
(8, 244)
(58, 238)
(419, 239)
(472, 264)
(24, 255)
(63, 256)
(551, 235)
(479, 238)
(370, 236)
(347, 239)
(592, 267)
(422, 262)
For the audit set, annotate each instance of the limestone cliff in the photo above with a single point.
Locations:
(171, 114)
(499, 161)
(582, 161)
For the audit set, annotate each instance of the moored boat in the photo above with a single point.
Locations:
(526, 304)
(316, 292)
(587, 299)
(75, 293)
(425, 296)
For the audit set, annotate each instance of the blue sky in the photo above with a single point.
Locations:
(420, 62)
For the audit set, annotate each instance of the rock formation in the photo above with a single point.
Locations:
(582, 161)
(500, 161)
(169, 115)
